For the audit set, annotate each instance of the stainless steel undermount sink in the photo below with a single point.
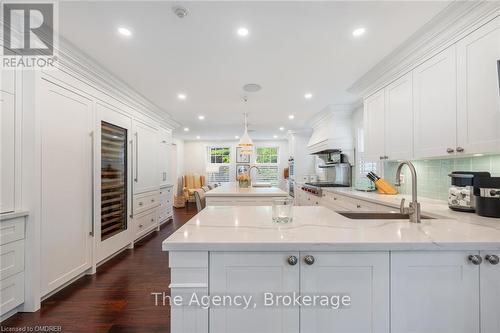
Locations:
(379, 216)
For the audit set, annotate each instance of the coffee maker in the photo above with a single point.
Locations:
(461, 195)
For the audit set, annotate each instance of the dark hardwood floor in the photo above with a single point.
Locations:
(117, 298)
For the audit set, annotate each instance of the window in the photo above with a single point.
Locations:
(219, 155)
(266, 159)
(219, 159)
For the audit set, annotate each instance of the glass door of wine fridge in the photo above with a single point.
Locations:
(113, 180)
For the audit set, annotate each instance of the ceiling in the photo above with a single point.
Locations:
(292, 48)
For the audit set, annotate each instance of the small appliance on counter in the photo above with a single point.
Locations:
(487, 192)
(461, 193)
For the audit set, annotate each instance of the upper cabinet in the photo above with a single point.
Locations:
(448, 105)
(435, 105)
(478, 57)
(398, 119)
(145, 159)
(165, 147)
(388, 121)
(375, 126)
(7, 142)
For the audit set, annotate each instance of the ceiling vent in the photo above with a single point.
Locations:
(181, 12)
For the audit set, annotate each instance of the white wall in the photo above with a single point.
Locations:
(195, 158)
(179, 145)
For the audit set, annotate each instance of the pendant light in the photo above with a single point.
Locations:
(246, 141)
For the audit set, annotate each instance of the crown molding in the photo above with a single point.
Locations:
(72, 59)
(452, 24)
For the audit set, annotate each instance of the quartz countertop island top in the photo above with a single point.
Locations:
(232, 189)
(317, 228)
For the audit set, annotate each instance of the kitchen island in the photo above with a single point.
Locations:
(395, 276)
(231, 194)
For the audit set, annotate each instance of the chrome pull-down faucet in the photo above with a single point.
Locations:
(413, 209)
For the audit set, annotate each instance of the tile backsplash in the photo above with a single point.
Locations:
(433, 180)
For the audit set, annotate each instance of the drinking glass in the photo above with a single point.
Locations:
(282, 210)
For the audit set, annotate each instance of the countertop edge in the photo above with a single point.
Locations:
(13, 215)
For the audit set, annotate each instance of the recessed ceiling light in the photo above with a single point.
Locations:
(275, 136)
(181, 96)
(291, 117)
(236, 136)
(124, 31)
(282, 128)
(201, 117)
(243, 32)
(359, 32)
(308, 95)
(197, 137)
(186, 129)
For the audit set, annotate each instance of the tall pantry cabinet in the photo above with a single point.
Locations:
(66, 130)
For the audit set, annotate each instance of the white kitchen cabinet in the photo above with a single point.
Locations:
(374, 112)
(8, 80)
(434, 292)
(398, 127)
(435, 105)
(478, 57)
(66, 184)
(253, 273)
(342, 203)
(7, 158)
(490, 292)
(164, 149)
(165, 210)
(145, 165)
(363, 277)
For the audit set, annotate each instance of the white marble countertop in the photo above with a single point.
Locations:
(430, 207)
(232, 189)
(317, 228)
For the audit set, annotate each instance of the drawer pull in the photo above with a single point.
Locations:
(140, 225)
(152, 200)
(140, 203)
(358, 206)
(152, 220)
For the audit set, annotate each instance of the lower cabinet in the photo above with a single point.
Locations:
(356, 284)
(445, 292)
(145, 222)
(165, 210)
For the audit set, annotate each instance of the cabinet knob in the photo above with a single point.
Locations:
(309, 259)
(450, 150)
(381, 157)
(140, 203)
(460, 150)
(152, 220)
(292, 260)
(386, 157)
(492, 259)
(140, 225)
(475, 259)
(358, 206)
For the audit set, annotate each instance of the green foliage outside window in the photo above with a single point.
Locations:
(220, 155)
(266, 155)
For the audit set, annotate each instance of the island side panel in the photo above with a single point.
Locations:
(189, 275)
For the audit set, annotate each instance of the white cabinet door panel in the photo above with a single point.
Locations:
(7, 156)
(362, 276)
(251, 273)
(478, 57)
(145, 167)
(490, 294)
(434, 292)
(399, 119)
(66, 184)
(374, 126)
(435, 105)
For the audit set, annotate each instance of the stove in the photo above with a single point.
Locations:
(315, 188)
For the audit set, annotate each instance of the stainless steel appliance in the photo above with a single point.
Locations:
(291, 187)
(461, 193)
(487, 192)
(291, 168)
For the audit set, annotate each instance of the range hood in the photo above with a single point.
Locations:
(332, 132)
